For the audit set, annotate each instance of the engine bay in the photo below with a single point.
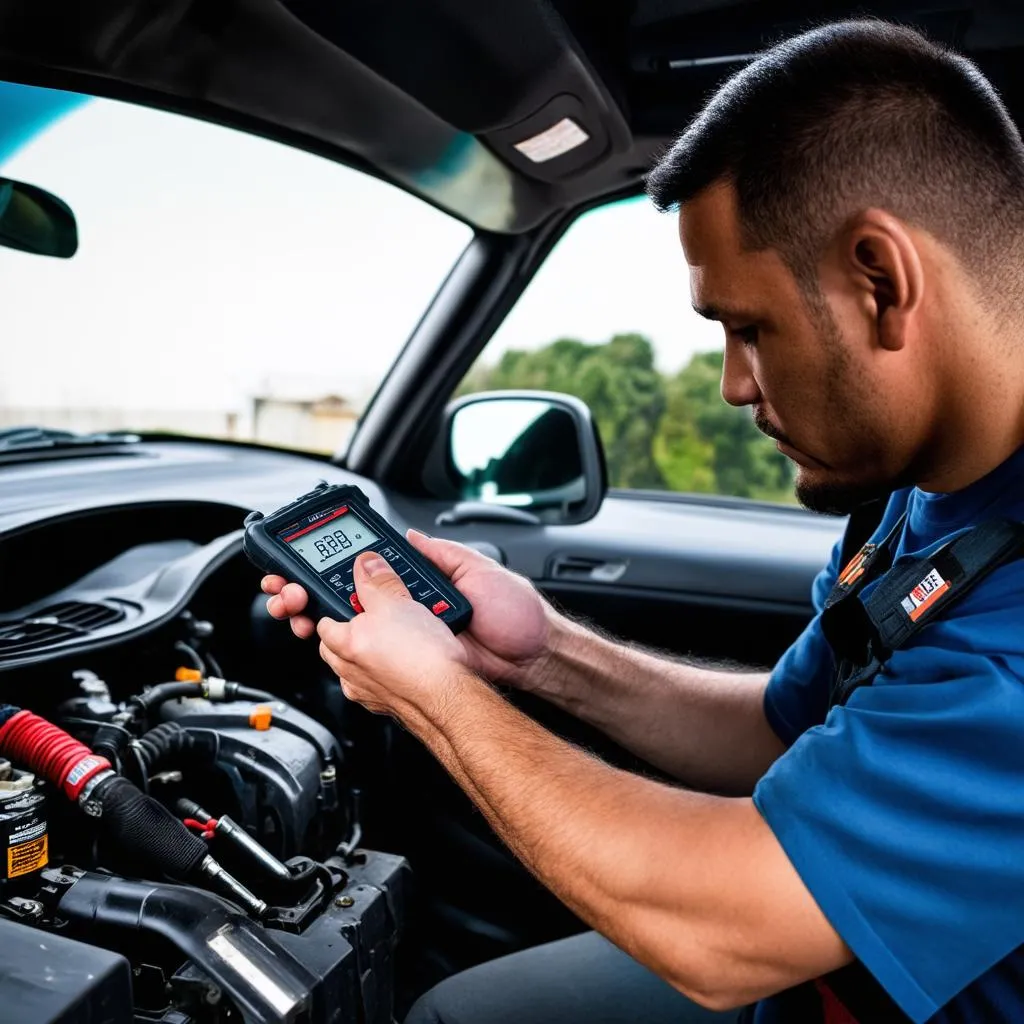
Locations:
(125, 576)
(177, 801)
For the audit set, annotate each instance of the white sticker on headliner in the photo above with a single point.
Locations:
(280, 1000)
(561, 137)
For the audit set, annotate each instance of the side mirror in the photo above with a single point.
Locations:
(34, 220)
(522, 456)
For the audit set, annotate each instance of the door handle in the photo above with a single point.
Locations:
(590, 570)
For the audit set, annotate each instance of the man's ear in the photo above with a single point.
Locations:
(885, 264)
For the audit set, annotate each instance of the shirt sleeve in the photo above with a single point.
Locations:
(904, 812)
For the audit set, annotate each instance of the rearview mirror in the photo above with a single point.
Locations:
(525, 456)
(34, 220)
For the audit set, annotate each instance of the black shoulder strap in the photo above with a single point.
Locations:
(863, 522)
(843, 619)
(915, 593)
(912, 595)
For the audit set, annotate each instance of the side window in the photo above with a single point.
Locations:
(608, 318)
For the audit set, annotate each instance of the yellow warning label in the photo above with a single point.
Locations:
(27, 857)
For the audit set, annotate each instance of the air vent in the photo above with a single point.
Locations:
(57, 623)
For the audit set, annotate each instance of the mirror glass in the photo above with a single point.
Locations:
(522, 452)
(34, 220)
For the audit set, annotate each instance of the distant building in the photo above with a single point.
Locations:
(321, 424)
(86, 420)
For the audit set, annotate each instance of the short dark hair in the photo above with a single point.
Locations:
(851, 115)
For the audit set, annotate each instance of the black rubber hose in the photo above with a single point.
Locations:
(141, 826)
(215, 669)
(163, 692)
(164, 743)
(248, 693)
(110, 741)
(194, 656)
(190, 809)
(169, 745)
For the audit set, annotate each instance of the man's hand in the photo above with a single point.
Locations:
(705, 727)
(396, 657)
(509, 634)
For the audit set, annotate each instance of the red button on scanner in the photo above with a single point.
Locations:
(440, 607)
(354, 601)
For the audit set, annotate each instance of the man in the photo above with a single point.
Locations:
(851, 208)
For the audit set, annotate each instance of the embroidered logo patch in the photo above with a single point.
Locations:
(924, 595)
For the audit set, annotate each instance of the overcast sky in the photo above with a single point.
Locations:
(215, 265)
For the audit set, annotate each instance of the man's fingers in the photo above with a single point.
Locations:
(272, 584)
(331, 632)
(376, 581)
(293, 599)
(303, 627)
(333, 662)
(335, 637)
(288, 602)
(448, 555)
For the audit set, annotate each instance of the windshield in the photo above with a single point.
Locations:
(224, 285)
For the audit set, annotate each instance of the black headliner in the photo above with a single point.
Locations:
(433, 96)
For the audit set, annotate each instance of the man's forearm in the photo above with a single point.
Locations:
(691, 885)
(703, 726)
(695, 886)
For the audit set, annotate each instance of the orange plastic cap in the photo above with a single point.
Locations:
(260, 717)
(188, 675)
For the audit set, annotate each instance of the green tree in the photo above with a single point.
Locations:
(617, 380)
(666, 433)
(704, 444)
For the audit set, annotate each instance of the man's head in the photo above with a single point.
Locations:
(852, 209)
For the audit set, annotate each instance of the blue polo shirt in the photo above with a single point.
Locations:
(903, 811)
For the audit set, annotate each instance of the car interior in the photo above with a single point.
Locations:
(351, 873)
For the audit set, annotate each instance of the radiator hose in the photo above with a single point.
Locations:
(48, 751)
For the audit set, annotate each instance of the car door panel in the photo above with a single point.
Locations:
(695, 578)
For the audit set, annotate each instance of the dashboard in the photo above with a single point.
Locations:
(239, 477)
(99, 549)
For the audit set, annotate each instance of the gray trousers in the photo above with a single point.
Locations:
(581, 980)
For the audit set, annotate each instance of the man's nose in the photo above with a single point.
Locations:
(739, 387)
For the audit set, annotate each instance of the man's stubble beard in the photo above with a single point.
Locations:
(839, 498)
(843, 395)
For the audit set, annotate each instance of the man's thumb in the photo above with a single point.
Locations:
(448, 555)
(376, 581)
